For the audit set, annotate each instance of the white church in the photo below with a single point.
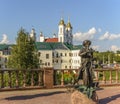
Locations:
(58, 52)
(64, 34)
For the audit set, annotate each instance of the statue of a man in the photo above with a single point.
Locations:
(86, 73)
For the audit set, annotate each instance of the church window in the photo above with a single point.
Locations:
(39, 54)
(48, 64)
(53, 61)
(65, 54)
(40, 61)
(45, 63)
(56, 61)
(5, 59)
(69, 54)
(57, 55)
(47, 56)
(53, 54)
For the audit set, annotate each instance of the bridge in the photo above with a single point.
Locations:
(15, 89)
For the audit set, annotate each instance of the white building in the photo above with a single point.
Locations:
(59, 52)
(4, 54)
(58, 55)
(64, 34)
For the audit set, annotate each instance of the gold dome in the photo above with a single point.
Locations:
(61, 22)
(69, 25)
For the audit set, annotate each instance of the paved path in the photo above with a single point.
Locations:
(107, 95)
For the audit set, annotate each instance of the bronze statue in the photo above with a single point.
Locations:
(86, 73)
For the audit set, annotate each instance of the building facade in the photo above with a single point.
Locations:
(4, 55)
(58, 55)
(59, 52)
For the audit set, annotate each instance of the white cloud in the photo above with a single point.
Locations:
(114, 48)
(95, 47)
(108, 36)
(79, 36)
(4, 39)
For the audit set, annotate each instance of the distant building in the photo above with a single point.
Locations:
(59, 52)
(64, 34)
(58, 55)
(5, 51)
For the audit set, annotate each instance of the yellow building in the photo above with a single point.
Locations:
(4, 54)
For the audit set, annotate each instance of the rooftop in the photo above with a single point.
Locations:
(51, 40)
(56, 45)
(4, 46)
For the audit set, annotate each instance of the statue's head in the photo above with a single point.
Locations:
(86, 43)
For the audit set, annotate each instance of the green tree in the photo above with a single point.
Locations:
(107, 57)
(117, 58)
(23, 54)
(118, 51)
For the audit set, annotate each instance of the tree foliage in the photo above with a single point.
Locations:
(106, 57)
(23, 54)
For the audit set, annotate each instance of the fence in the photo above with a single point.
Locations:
(39, 78)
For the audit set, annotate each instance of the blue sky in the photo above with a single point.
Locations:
(97, 20)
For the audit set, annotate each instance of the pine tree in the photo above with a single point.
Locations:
(23, 53)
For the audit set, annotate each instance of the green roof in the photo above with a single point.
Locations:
(48, 46)
(58, 45)
(43, 46)
(73, 47)
(4, 46)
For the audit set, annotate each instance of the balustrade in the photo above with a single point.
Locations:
(20, 78)
(11, 78)
(108, 76)
(105, 77)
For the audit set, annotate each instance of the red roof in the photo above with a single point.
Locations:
(51, 40)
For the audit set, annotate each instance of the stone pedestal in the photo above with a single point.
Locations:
(79, 98)
(48, 77)
(86, 95)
